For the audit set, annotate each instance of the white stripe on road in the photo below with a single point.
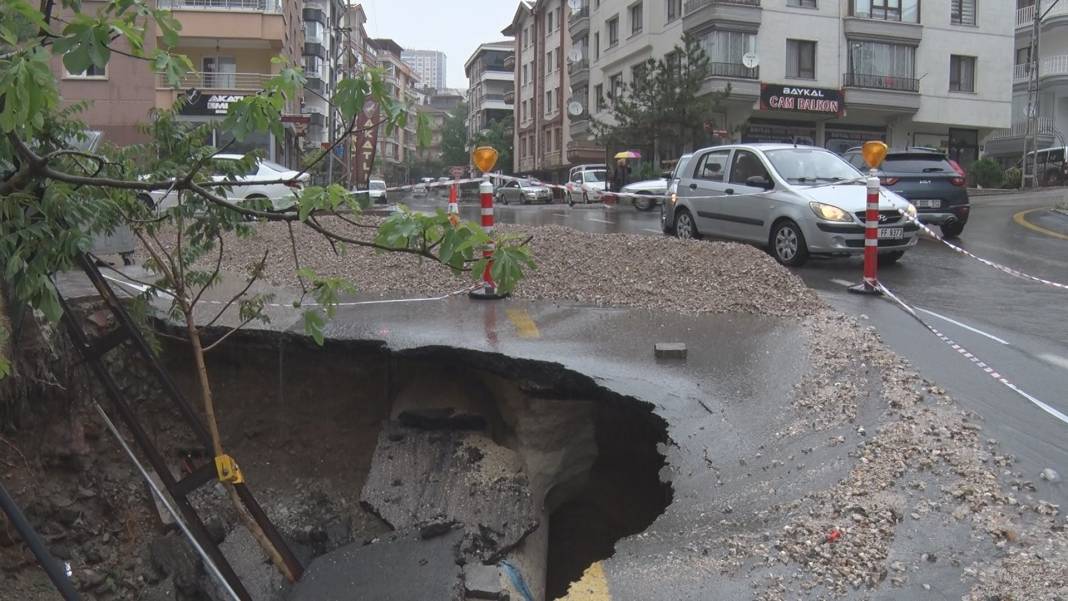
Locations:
(589, 218)
(841, 282)
(649, 229)
(1038, 403)
(560, 214)
(1052, 359)
(963, 325)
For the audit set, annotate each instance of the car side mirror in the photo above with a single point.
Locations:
(759, 181)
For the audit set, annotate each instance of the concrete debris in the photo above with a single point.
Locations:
(482, 581)
(1050, 475)
(670, 350)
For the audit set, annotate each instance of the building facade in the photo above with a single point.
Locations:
(832, 73)
(396, 149)
(490, 81)
(324, 66)
(1051, 97)
(428, 65)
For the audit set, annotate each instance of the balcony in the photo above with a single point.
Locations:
(881, 82)
(882, 93)
(509, 62)
(883, 29)
(579, 71)
(1010, 142)
(702, 14)
(236, 82)
(262, 6)
(497, 75)
(224, 20)
(509, 97)
(736, 70)
(578, 24)
(1048, 66)
(1025, 17)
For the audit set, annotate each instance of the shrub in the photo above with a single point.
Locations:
(1012, 178)
(986, 173)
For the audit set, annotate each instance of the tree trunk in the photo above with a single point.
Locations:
(29, 357)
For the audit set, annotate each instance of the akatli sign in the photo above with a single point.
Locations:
(797, 99)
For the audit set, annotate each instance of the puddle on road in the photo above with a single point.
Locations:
(305, 422)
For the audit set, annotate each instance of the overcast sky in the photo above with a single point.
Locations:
(455, 27)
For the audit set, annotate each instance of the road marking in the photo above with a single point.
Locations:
(963, 325)
(1038, 403)
(590, 218)
(649, 229)
(560, 214)
(593, 586)
(842, 283)
(524, 325)
(1021, 219)
(1057, 360)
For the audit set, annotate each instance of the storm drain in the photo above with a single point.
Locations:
(526, 464)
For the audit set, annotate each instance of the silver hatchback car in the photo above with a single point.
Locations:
(797, 201)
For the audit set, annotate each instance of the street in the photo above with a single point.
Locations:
(1015, 326)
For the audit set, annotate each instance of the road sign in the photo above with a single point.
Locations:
(457, 172)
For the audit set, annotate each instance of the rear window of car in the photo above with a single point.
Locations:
(373, 185)
(917, 163)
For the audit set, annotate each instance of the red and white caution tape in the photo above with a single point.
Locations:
(987, 369)
(1009, 270)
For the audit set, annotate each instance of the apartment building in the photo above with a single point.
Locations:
(490, 80)
(1007, 145)
(396, 148)
(231, 44)
(832, 73)
(325, 41)
(429, 67)
(543, 92)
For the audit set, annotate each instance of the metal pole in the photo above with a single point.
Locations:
(1037, 39)
(57, 572)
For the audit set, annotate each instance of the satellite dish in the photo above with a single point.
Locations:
(575, 55)
(576, 5)
(750, 60)
(574, 108)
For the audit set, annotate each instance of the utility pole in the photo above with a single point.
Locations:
(1034, 96)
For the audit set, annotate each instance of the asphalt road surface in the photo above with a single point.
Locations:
(1019, 328)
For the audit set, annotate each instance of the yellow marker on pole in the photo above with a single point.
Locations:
(485, 158)
(874, 153)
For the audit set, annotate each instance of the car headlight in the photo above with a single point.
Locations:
(910, 210)
(829, 212)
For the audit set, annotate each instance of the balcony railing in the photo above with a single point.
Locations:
(579, 65)
(1025, 17)
(581, 13)
(252, 82)
(696, 5)
(1047, 66)
(733, 70)
(1045, 127)
(881, 82)
(263, 6)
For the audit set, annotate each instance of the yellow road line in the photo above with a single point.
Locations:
(593, 586)
(523, 323)
(1021, 219)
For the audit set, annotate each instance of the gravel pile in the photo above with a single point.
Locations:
(655, 272)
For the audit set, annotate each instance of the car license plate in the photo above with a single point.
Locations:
(891, 233)
(928, 203)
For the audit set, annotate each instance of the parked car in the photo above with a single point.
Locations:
(927, 179)
(376, 189)
(419, 190)
(1052, 168)
(586, 182)
(524, 191)
(797, 201)
(281, 195)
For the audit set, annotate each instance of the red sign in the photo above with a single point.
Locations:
(800, 99)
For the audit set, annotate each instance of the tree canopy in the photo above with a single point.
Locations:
(454, 150)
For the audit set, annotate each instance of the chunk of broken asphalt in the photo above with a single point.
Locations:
(482, 581)
(441, 419)
(436, 528)
(670, 350)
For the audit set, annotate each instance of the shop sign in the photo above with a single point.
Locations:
(209, 105)
(800, 99)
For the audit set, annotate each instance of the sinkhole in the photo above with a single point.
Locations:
(535, 465)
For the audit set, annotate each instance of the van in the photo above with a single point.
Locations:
(1052, 169)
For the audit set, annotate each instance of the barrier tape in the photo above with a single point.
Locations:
(987, 369)
(988, 262)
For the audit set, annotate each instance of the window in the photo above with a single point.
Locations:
(598, 93)
(613, 31)
(597, 45)
(559, 139)
(93, 72)
(615, 83)
(526, 74)
(800, 59)
(801, 3)
(712, 166)
(638, 72)
(888, 10)
(723, 48)
(548, 102)
(746, 165)
(962, 12)
(549, 21)
(635, 18)
(313, 66)
(548, 62)
(961, 73)
(313, 32)
(882, 65)
(219, 71)
(674, 10)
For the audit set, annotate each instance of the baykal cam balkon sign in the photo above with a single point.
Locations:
(800, 99)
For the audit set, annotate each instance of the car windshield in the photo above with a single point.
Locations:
(593, 176)
(529, 183)
(274, 166)
(373, 185)
(810, 165)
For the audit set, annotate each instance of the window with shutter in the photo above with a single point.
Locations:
(962, 12)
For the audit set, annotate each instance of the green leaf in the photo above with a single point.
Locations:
(314, 324)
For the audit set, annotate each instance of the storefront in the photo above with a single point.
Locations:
(212, 108)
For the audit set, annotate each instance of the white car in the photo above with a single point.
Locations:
(652, 192)
(376, 190)
(281, 195)
(587, 184)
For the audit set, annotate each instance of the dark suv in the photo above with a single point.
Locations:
(927, 179)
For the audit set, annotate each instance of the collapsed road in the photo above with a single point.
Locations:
(789, 455)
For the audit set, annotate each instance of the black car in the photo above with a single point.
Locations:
(928, 180)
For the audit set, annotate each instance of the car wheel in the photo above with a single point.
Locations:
(788, 244)
(891, 257)
(685, 227)
(585, 198)
(644, 202)
(501, 198)
(951, 230)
